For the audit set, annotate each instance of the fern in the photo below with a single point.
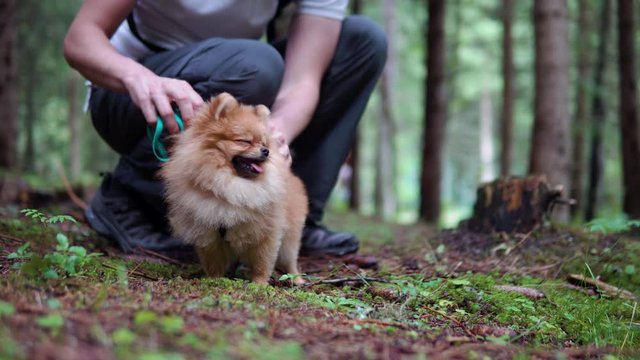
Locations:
(37, 215)
(612, 225)
(34, 214)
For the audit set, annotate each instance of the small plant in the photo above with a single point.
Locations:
(20, 254)
(66, 260)
(38, 216)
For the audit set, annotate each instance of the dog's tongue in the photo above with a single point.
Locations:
(256, 167)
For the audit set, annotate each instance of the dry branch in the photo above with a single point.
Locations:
(602, 287)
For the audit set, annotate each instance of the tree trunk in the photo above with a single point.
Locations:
(354, 183)
(354, 157)
(550, 138)
(508, 90)
(356, 6)
(580, 124)
(75, 158)
(8, 81)
(598, 114)
(28, 161)
(385, 199)
(434, 115)
(487, 172)
(629, 129)
(513, 204)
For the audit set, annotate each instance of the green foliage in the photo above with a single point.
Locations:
(6, 309)
(123, 337)
(612, 225)
(20, 254)
(169, 324)
(285, 277)
(36, 215)
(65, 261)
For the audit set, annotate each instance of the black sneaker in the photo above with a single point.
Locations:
(114, 213)
(318, 240)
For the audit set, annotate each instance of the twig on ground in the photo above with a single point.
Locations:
(133, 272)
(528, 292)
(67, 186)
(340, 281)
(515, 247)
(452, 319)
(159, 256)
(601, 287)
(376, 322)
(12, 238)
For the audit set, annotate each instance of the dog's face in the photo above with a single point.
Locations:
(236, 134)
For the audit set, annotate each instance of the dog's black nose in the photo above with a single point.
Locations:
(264, 151)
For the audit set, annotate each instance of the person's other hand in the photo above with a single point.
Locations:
(154, 94)
(283, 147)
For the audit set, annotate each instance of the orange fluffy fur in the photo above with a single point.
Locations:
(263, 211)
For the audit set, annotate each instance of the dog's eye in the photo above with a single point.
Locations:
(244, 141)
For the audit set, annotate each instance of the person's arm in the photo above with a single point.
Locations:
(88, 50)
(310, 48)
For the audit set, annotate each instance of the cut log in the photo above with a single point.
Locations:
(514, 204)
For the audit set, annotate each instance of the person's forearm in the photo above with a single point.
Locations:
(310, 48)
(87, 49)
(93, 56)
(294, 108)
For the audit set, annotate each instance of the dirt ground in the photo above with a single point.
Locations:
(411, 292)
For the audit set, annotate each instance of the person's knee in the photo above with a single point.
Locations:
(360, 32)
(269, 69)
(250, 70)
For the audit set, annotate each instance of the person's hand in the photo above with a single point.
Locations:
(281, 142)
(154, 94)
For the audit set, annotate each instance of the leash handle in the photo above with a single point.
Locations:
(159, 150)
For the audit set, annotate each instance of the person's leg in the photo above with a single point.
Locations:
(129, 206)
(323, 146)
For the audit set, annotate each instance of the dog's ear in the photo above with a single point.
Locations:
(262, 111)
(222, 105)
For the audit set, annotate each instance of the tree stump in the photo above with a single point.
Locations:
(513, 204)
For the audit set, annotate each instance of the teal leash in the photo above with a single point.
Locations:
(159, 150)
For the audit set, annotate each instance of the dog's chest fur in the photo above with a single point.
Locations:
(241, 207)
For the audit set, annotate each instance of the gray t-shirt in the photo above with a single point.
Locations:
(170, 24)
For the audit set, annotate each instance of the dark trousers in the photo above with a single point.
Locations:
(252, 71)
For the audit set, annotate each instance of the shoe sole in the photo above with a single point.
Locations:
(336, 251)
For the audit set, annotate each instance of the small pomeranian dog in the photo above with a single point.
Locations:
(232, 195)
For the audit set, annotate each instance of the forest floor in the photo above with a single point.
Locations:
(411, 293)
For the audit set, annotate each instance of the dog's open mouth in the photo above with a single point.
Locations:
(248, 167)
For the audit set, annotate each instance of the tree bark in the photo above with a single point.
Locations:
(354, 157)
(385, 199)
(513, 204)
(434, 115)
(29, 93)
(550, 152)
(598, 113)
(508, 90)
(580, 124)
(8, 81)
(487, 172)
(629, 129)
(75, 158)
